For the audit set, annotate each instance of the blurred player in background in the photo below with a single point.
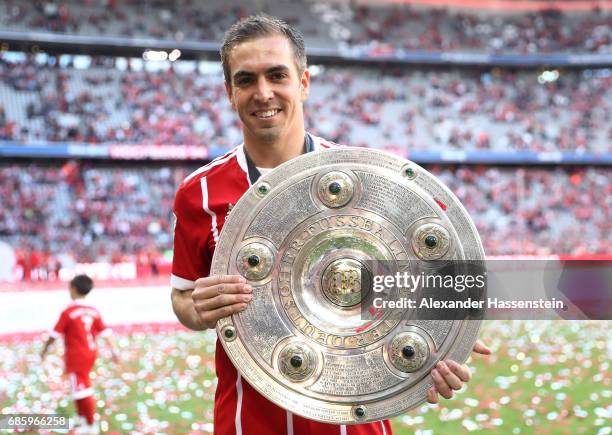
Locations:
(80, 324)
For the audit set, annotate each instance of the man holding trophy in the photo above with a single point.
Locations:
(267, 81)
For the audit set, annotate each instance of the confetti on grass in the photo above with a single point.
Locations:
(551, 374)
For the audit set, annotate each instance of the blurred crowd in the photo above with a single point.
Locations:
(404, 110)
(56, 215)
(538, 32)
(131, 18)
(536, 211)
(324, 24)
(177, 20)
(461, 110)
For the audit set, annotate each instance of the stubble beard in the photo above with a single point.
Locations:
(270, 134)
(267, 135)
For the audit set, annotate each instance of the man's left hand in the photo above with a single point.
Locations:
(449, 376)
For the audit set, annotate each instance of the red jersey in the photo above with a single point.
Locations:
(79, 324)
(201, 206)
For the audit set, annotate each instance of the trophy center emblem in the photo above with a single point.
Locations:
(341, 282)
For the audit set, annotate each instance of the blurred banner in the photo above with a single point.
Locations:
(205, 152)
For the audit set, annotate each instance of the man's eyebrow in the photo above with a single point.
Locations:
(274, 69)
(277, 68)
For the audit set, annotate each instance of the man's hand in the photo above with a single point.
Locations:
(215, 297)
(48, 343)
(114, 350)
(450, 375)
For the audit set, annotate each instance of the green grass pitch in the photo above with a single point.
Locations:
(549, 377)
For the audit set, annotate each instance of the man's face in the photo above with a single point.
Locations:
(266, 89)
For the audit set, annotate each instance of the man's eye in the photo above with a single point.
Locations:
(243, 81)
(278, 76)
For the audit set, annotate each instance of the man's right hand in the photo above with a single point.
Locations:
(215, 297)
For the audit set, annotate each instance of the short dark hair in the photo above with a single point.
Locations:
(82, 283)
(259, 26)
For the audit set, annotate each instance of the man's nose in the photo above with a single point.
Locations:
(264, 91)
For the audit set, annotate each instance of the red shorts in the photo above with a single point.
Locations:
(80, 385)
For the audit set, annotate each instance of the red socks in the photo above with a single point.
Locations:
(86, 408)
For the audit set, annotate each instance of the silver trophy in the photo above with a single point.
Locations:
(305, 237)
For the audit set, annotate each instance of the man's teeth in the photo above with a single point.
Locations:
(266, 114)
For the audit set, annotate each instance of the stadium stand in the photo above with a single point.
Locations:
(404, 110)
(95, 213)
(101, 212)
(324, 24)
(177, 20)
(406, 28)
(92, 210)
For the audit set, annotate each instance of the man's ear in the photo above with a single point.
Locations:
(230, 95)
(305, 84)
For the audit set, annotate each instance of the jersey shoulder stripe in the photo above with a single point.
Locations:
(204, 170)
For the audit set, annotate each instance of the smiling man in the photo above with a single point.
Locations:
(267, 82)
